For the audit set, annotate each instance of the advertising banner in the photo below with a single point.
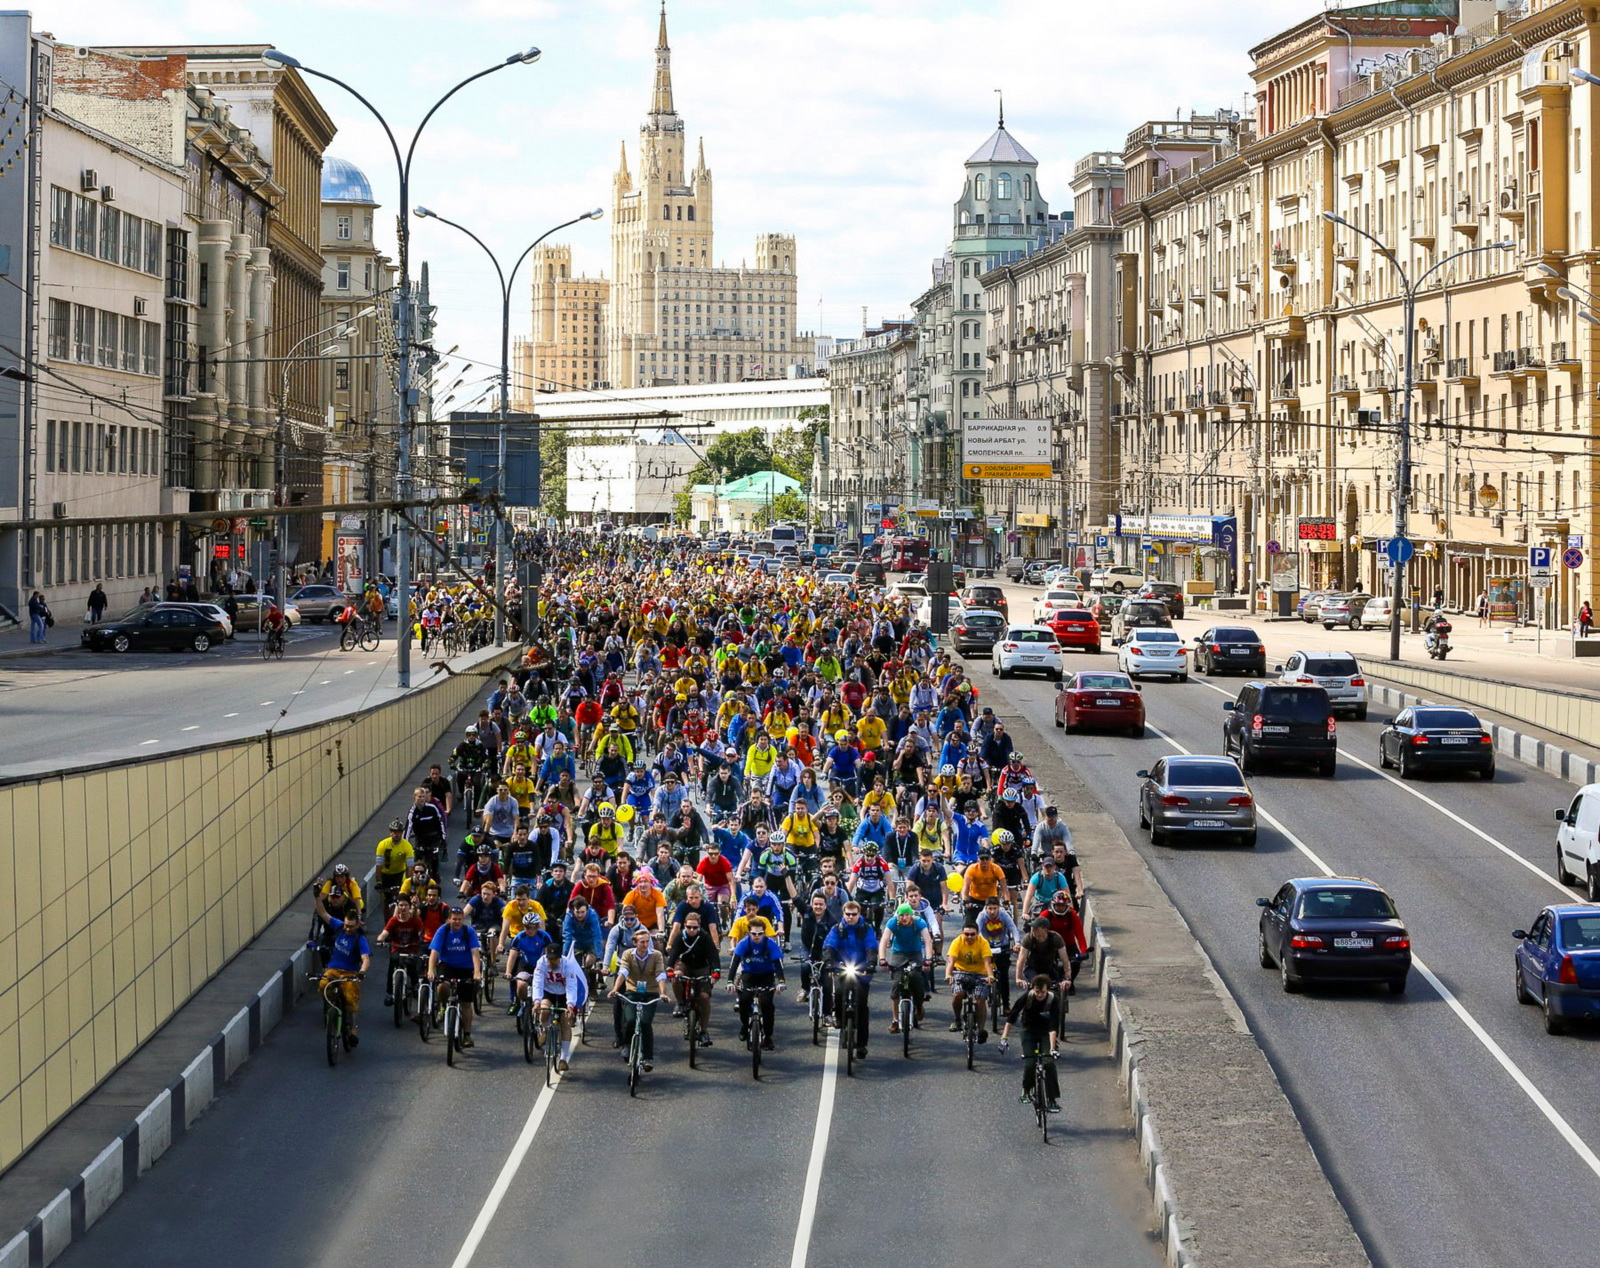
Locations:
(1006, 449)
(349, 571)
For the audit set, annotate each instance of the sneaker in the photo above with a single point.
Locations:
(766, 1045)
(466, 1042)
(1052, 1108)
(1025, 1098)
(894, 1028)
(861, 1054)
(355, 1039)
(646, 1066)
(705, 1041)
(744, 1036)
(616, 1043)
(955, 1028)
(677, 1010)
(983, 1036)
(511, 1009)
(562, 1066)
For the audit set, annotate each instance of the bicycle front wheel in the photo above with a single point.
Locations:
(633, 1073)
(334, 1038)
(369, 641)
(397, 988)
(755, 1047)
(906, 1015)
(692, 1034)
(972, 1043)
(452, 1023)
(347, 639)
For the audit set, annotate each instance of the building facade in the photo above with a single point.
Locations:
(566, 350)
(631, 482)
(870, 459)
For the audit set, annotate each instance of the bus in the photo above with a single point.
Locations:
(902, 554)
(782, 535)
(824, 544)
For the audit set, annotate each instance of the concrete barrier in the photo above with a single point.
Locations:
(1577, 717)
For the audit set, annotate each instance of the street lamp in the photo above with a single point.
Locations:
(1402, 493)
(507, 281)
(408, 395)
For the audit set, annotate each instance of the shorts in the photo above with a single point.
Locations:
(467, 989)
(719, 891)
(524, 975)
(975, 982)
(557, 999)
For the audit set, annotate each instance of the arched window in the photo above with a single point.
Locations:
(1027, 189)
(691, 213)
(666, 213)
(680, 213)
(1002, 185)
(980, 188)
(966, 217)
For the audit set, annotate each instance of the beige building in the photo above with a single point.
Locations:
(566, 351)
(865, 467)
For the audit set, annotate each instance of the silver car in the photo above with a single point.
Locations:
(1196, 796)
(1343, 610)
(1337, 673)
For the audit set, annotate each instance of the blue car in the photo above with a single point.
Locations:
(1558, 964)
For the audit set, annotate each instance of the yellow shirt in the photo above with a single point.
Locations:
(517, 908)
(522, 790)
(395, 855)
(883, 799)
(624, 717)
(930, 838)
(969, 957)
(520, 755)
(836, 717)
(871, 731)
(900, 691)
(758, 764)
(684, 685)
(800, 833)
(778, 725)
(741, 926)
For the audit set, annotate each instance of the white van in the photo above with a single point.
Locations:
(1578, 842)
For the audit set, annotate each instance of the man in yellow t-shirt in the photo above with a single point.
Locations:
(969, 967)
(516, 909)
(799, 828)
(606, 833)
(395, 854)
(871, 730)
(522, 788)
(741, 926)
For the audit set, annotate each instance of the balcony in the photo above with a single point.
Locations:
(1220, 286)
(1195, 400)
(1345, 385)
(1217, 397)
(1197, 294)
(1283, 389)
(1562, 358)
(1171, 406)
(1380, 381)
(1424, 233)
(1242, 395)
(1464, 219)
(1284, 259)
(1290, 328)
(1244, 280)
(1460, 370)
(1175, 296)
(1347, 254)
(1531, 362)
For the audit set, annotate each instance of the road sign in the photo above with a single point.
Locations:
(1541, 580)
(1101, 541)
(1397, 549)
(1072, 539)
(1273, 548)
(258, 523)
(1540, 558)
(1574, 541)
(1146, 542)
(1573, 557)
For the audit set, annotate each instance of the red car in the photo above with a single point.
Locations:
(1100, 699)
(1075, 627)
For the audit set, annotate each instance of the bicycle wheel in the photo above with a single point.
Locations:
(347, 639)
(487, 993)
(552, 1050)
(847, 1036)
(970, 1027)
(331, 1027)
(816, 1015)
(526, 1026)
(425, 1017)
(633, 1068)
(397, 988)
(266, 650)
(755, 1041)
(906, 1015)
(691, 1031)
(1039, 1106)
(369, 641)
(452, 1023)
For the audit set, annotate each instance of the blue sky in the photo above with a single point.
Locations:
(843, 123)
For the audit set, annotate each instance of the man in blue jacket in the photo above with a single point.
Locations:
(851, 947)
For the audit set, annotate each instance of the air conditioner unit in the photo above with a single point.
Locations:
(58, 510)
(1498, 520)
(1508, 200)
(89, 180)
(140, 307)
(108, 193)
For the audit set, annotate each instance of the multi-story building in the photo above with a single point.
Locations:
(635, 481)
(566, 351)
(871, 460)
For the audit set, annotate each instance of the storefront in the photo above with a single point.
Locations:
(1031, 537)
(1180, 548)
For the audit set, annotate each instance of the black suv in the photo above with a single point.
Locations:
(1140, 614)
(1275, 721)
(1168, 592)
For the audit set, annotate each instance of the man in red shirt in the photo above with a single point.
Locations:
(717, 873)
(403, 935)
(1065, 921)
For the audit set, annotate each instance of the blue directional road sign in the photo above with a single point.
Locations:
(1540, 558)
(1101, 541)
(1397, 550)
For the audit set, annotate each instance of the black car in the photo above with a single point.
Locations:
(977, 630)
(1334, 929)
(1168, 592)
(1433, 737)
(870, 572)
(1225, 649)
(991, 597)
(1140, 614)
(147, 629)
(1278, 722)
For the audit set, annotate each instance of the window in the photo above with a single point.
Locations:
(132, 241)
(102, 442)
(108, 340)
(341, 376)
(366, 227)
(980, 188)
(152, 248)
(50, 444)
(60, 217)
(84, 226)
(59, 337)
(1027, 189)
(110, 234)
(130, 343)
(152, 347)
(83, 334)
(342, 228)
(366, 275)
(341, 275)
(74, 448)
(1002, 185)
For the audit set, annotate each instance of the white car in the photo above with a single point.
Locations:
(913, 590)
(1578, 841)
(1337, 673)
(924, 611)
(1116, 578)
(1053, 601)
(1152, 651)
(1029, 649)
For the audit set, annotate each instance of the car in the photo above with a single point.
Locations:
(838, 579)
(1436, 737)
(1146, 652)
(1097, 698)
(870, 572)
(249, 610)
(1378, 613)
(1060, 576)
(846, 566)
(979, 629)
(1027, 649)
(954, 609)
(1052, 600)
(1116, 578)
(1558, 964)
(206, 607)
(1104, 606)
(1195, 795)
(915, 591)
(1077, 628)
(174, 626)
(992, 598)
(1015, 566)
(1273, 721)
(1033, 573)
(1312, 603)
(1337, 673)
(1224, 649)
(1578, 841)
(1139, 614)
(1169, 592)
(318, 602)
(1334, 929)
(1343, 610)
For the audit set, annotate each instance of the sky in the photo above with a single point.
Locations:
(843, 122)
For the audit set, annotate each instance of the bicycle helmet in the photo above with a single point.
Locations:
(472, 731)
(484, 850)
(1016, 755)
(531, 920)
(608, 811)
(1010, 794)
(842, 736)
(394, 826)
(871, 847)
(1002, 837)
(340, 870)
(947, 769)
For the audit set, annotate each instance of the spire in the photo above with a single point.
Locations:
(1001, 93)
(661, 101)
(623, 178)
(700, 166)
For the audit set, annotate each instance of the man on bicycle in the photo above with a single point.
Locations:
(757, 971)
(425, 826)
(395, 855)
(906, 944)
(695, 958)
(641, 972)
(1039, 1011)
(850, 947)
(404, 935)
(558, 982)
(349, 957)
(470, 763)
(276, 625)
(523, 953)
(969, 968)
(456, 955)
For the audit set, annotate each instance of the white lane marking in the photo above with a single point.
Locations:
(191, 728)
(1540, 1101)
(230, 715)
(502, 1183)
(265, 703)
(1451, 815)
(819, 1153)
(301, 692)
(349, 671)
(325, 682)
(142, 743)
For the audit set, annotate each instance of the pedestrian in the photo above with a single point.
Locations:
(146, 596)
(1483, 608)
(39, 618)
(1438, 596)
(1585, 619)
(97, 604)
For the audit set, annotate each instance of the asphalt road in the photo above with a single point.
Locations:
(84, 708)
(391, 1157)
(1426, 1111)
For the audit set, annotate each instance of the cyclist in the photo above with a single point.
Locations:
(1039, 1011)
(969, 968)
(558, 982)
(425, 826)
(1043, 885)
(456, 955)
(983, 880)
(470, 763)
(500, 815)
(641, 973)
(276, 625)
(905, 942)
(486, 912)
(815, 926)
(582, 936)
(522, 904)
(869, 881)
(484, 870)
(757, 965)
(341, 883)
(523, 953)
(850, 947)
(605, 832)
(1000, 932)
(403, 934)
(395, 855)
(1066, 924)
(1041, 950)
(694, 955)
(349, 957)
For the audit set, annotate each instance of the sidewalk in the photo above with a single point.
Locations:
(14, 642)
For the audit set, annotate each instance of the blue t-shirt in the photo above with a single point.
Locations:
(530, 946)
(877, 833)
(759, 962)
(484, 914)
(965, 838)
(455, 946)
(1047, 887)
(906, 940)
(854, 944)
(842, 761)
(348, 948)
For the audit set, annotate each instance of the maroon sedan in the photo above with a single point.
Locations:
(1075, 627)
(1100, 699)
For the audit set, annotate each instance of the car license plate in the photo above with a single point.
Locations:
(1110, 703)
(1074, 629)
(1337, 684)
(1276, 729)
(1352, 944)
(1238, 651)
(1453, 739)
(1207, 823)
(1032, 659)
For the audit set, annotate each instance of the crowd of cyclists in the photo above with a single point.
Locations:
(702, 773)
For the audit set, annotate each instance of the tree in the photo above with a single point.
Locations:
(788, 505)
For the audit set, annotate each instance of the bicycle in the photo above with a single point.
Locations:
(400, 987)
(969, 1024)
(1044, 1062)
(526, 1028)
(338, 1035)
(756, 1026)
(450, 999)
(847, 1015)
(636, 1041)
(490, 939)
(814, 996)
(358, 633)
(906, 1003)
(692, 1026)
(550, 1040)
(272, 648)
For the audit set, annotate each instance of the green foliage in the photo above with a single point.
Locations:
(553, 473)
(788, 505)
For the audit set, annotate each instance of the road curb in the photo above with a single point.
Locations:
(163, 1122)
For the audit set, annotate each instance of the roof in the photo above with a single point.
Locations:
(760, 484)
(344, 182)
(1002, 147)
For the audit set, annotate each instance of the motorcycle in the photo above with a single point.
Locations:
(1437, 642)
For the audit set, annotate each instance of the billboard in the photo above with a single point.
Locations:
(1006, 449)
(348, 549)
